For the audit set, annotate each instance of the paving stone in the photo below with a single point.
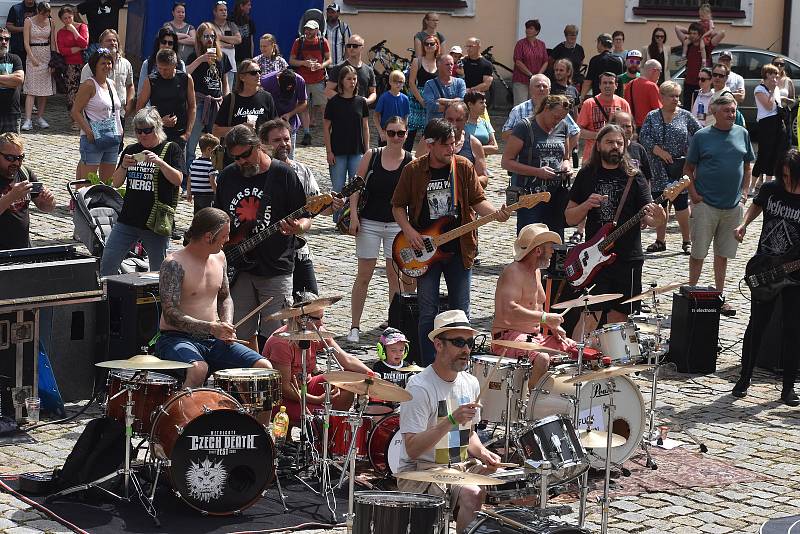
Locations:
(715, 529)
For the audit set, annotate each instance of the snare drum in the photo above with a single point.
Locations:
(517, 484)
(340, 434)
(495, 392)
(384, 446)
(554, 439)
(534, 523)
(150, 391)
(256, 389)
(391, 512)
(617, 341)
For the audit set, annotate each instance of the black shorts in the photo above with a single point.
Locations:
(681, 202)
(620, 277)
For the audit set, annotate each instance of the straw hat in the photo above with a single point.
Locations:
(531, 236)
(450, 320)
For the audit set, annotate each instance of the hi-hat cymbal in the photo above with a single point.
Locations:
(608, 372)
(597, 439)
(306, 335)
(304, 308)
(372, 386)
(655, 291)
(143, 362)
(587, 300)
(525, 345)
(413, 368)
(448, 475)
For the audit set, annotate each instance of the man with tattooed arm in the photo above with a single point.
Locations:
(197, 309)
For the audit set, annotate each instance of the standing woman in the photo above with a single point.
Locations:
(422, 69)
(228, 35)
(345, 128)
(183, 30)
(247, 29)
(655, 50)
(375, 224)
(248, 102)
(530, 57)
(72, 40)
(771, 131)
(38, 84)
(477, 125)
(270, 59)
(429, 24)
(701, 100)
(788, 100)
(166, 39)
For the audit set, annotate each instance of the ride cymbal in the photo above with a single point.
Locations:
(448, 475)
(608, 372)
(655, 291)
(586, 300)
(304, 308)
(143, 362)
(597, 439)
(413, 368)
(523, 345)
(374, 387)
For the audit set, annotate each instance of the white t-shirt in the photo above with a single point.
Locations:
(433, 399)
(735, 82)
(762, 111)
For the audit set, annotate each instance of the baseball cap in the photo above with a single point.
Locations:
(633, 53)
(390, 336)
(313, 24)
(455, 49)
(333, 6)
(726, 53)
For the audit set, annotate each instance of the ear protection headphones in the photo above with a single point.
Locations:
(382, 351)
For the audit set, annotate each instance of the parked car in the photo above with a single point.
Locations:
(747, 62)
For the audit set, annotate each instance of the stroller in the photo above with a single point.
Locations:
(97, 208)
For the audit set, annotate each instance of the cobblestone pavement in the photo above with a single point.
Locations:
(755, 433)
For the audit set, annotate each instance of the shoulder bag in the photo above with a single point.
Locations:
(105, 131)
(162, 216)
(343, 221)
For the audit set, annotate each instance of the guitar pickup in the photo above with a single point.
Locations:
(407, 254)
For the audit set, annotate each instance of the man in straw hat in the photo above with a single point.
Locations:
(519, 300)
(436, 424)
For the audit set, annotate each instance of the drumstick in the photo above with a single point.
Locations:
(491, 375)
(506, 464)
(505, 521)
(252, 313)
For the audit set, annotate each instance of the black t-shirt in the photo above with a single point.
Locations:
(391, 374)
(612, 182)
(380, 188)
(258, 202)
(439, 203)
(603, 62)
(364, 73)
(780, 230)
(15, 221)
(9, 98)
(170, 97)
(346, 116)
(475, 70)
(259, 104)
(640, 159)
(575, 55)
(139, 183)
(17, 44)
(101, 16)
(244, 50)
(208, 81)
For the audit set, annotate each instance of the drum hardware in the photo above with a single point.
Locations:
(252, 313)
(609, 409)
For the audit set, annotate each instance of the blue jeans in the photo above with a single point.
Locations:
(458, 280)
(344, 168)
(181, 347)
(194, 138)
(122, 238)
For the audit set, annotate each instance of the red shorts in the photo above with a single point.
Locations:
(550, 341)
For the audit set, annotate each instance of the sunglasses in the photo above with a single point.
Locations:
(144, 131)
(430, 44)
(659, 36)
(779, 64)
(244, 155)
(460, 342)
(353, 45)
(252, 72)
(5, 39)
(718, 75)
(702, 79)
(11, 158)
(165, 42)
(210, 36)
(396, 133)
(634, 61)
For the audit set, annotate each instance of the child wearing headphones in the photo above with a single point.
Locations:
(392, 350)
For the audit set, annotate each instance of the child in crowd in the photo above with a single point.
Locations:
(392, 350)
(202, 176)
(704, 12)
(390, 104)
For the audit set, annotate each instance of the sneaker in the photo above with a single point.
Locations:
(353, 336)
(42, 123)
(727, 310)
(306, 139)
(790, 398)
(27, 126)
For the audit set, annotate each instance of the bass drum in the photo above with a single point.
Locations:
(385, 443)
(221, 459)
(551, 395)
(486, 524)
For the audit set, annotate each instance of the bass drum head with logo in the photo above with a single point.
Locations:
(490, 525)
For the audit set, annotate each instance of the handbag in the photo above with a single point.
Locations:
(162, 216)
(343, 215)
(105, 131)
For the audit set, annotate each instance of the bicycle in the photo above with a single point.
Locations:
(383, 61)
(487, 53)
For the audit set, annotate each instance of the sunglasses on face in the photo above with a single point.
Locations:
(396, 133)
(659, 36)
(210, 36)
(779, 64)
(144, 131)
(353, 45)
(252, 72)
(718, 75)
(11, 158)
(244, 155)
(634, 61)
(5, 39)
(702, 79)
(165, 42)
(430, 44)
(460, 342)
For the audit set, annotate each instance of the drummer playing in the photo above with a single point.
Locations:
(196, 306)
(437, 424)
(519, 301)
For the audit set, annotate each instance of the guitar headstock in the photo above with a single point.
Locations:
(529, 201)
(355, 185)
(674, 189)
(317, 203)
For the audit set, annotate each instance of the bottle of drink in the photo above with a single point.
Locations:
(280, 426)
(701, 111)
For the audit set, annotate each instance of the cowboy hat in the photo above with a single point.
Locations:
(450, 320)
(531, 236)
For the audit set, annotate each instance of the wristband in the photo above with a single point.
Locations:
(452, 419)
(543, 320)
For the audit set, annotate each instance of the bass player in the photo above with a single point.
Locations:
(779, 200)
(610, 189)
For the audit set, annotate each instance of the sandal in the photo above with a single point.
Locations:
(658, 246)
(576, 238)
(687, 247)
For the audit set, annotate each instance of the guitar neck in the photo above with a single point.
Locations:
(477, 223)
(253, 241)
(627, 225)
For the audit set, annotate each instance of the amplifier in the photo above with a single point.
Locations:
(404, 315)
(555, 270)
(133, 313)
(695, 330)
(700, 292)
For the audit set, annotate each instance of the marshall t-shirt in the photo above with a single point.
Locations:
(260, 105)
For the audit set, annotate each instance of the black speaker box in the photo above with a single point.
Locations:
(11, 330)
(694, 336)
(134, 310)
(404, 315)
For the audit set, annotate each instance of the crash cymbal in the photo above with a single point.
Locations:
(306, 335)
(597, 439)
(608, 372)
(374, 387)
(448, 475)
(344, 376)
(304, 308)
(588, 300)
(523, 345)
(143, 362)
(655, 291)
(413, 368)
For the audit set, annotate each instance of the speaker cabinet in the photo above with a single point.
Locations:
(404, 315)
(695, 331)
(134, 309)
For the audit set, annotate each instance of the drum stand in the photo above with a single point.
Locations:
(607, 482)
(583, 480)
(651, 434)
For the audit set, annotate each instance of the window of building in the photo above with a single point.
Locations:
(422, 5)
(723, 9)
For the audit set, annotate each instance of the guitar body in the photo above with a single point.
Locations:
(415, 263)
(238, 259)
(585, 260)
(766, 277)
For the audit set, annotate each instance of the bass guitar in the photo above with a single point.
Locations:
(238, 248)
(766, 276)
(415, 263)
(585, 260)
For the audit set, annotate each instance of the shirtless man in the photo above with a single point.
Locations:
(197, 310)
(519, 300)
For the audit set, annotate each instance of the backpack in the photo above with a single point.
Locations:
(302, 47)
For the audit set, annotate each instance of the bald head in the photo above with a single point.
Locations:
(473, 47)
(538, 87)
(651, 70)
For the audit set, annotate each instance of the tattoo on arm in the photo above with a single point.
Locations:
(169, 288)
(224, 299)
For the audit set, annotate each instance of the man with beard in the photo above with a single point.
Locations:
(636, 152)
(336, 32)
(257, 192)
(11, 77)
(288, 90)
(609, 188)
(633, 61)
(437, 424)
(519, 301)
(275, 134)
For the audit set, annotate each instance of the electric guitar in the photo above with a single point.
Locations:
(585, 260)
(239, 246)
(766, 275)
(415, 263)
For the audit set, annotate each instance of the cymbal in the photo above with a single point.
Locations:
(306, 335)
(597, 439)
(413, 368)
(143, 362)
(587, 300)
(304, 308)
(344, 376)
(524, 345)
(374, 387)
(448, 475)
(655, 291)
(608, 372)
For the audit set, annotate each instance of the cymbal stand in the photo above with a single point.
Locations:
(651, 434)
(583, 481)
(509, 385)
(355, 421)
(609, 408)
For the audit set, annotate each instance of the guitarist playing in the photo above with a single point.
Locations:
(779, 200)
(255, 192)
(607, 181)
(441, 184)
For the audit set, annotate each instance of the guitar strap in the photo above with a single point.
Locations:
(623, 199)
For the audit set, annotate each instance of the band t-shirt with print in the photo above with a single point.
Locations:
(256, 202)
(546, 149)
(439, 203)
(260, 105)
(207, 80)
(432, 400)
(780, 230)
(15, 221)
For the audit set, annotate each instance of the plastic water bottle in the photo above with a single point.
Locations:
(701, 111)
(280, 426)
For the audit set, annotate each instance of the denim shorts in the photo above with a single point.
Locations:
(93, 156)
(181, 347)
(370, 236)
